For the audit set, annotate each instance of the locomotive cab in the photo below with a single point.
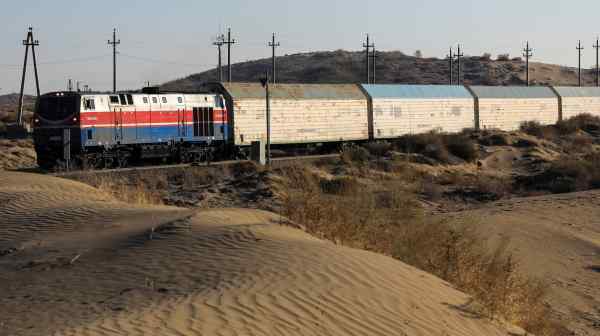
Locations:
(56, 128)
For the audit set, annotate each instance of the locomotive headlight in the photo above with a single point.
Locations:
(36, 120)
(75, 119)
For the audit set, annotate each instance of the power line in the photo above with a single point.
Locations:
(273, 45)
(160, 61)
(114, 44)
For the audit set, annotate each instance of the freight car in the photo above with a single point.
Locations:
(111, 130)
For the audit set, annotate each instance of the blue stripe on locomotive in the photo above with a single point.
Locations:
(109, 136)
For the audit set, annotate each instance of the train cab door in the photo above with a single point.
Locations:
(118, 125)
(153, 117)
(181, 118)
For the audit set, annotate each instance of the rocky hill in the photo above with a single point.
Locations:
(392, 67)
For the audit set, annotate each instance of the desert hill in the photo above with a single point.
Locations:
(392, 67)
(74, 261)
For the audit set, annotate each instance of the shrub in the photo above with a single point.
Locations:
(532, 128)
(496, 139)
(379, 148)
(567, 174)
(429, 144)
(439, 146)
(340, 185)
(353, 154)
(585, 122)
(503, 58)
(462, 147)
(243, 168)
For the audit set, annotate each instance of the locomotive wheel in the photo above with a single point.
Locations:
(122, 160)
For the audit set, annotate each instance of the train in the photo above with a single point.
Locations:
(222, 120)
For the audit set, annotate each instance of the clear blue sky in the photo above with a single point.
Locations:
(163, 40)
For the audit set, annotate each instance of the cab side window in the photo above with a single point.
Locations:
(89, 104)
(114, 99)
(129, 99)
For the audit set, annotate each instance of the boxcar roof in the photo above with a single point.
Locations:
(405, 91)
(574, 91)
(295, 91)
(510, 92)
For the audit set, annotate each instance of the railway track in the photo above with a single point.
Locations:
(274, 162)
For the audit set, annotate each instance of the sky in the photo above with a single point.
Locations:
(164, 40)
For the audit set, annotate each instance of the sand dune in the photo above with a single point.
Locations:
(556, 238)
(220, 272)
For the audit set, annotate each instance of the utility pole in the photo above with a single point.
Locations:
(229, 42)
(374, 63)
(528, 52)
(450, 58)
(458, 56)
(29, 42)
(273, 45)
(597, 46)
(114, 44)
(265, 83)
(579, 50)
(367, 47)
(219, 43)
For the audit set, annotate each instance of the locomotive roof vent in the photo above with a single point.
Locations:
(151, 90)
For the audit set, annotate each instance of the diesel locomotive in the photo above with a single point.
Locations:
(92, 130)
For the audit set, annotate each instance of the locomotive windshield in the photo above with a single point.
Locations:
(56, 108)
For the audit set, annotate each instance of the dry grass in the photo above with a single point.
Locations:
(143, 190)
(387, 218)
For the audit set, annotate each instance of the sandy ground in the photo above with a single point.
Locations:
(76, 262)
(556, 238)
(17, 154)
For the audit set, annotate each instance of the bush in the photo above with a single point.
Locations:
(379, 148)
(429, 144)
(503, 58)
(496, 139)
(462, 147)
(532, 128)
(353, 154)
(340, 185)
(585, 122)
(439, 146)
(567, 175)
